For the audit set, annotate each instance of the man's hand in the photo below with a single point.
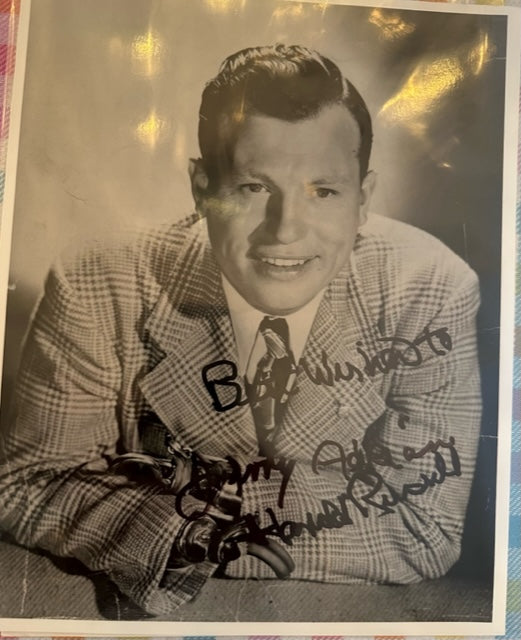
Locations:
(204, 539)
(215, 531)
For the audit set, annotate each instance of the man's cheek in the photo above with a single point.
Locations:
(219, 210)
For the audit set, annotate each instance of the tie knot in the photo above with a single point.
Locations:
(276, 335)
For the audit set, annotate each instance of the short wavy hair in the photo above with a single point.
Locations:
(287, 82)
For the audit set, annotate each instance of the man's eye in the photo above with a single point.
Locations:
(254, 187)
(323, 192)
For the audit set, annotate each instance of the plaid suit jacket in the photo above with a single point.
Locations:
(113, 361)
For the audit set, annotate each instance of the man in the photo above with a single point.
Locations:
(285, 372)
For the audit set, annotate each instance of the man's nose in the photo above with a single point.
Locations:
(285, 217)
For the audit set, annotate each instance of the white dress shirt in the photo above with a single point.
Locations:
(246, 320)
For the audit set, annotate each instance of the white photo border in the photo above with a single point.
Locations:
(56, 627)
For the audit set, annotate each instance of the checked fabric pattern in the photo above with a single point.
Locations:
(113, 362)
(275, 375)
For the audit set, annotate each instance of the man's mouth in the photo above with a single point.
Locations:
(285, 262)
(284, 268)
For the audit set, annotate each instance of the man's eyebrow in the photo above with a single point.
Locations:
(248, 176)
(339, 179)
(245, 174)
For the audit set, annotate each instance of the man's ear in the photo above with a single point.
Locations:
(199, 181)
(366, 191)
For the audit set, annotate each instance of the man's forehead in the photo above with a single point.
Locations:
(334, 124)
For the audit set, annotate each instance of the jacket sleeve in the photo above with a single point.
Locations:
(430, 430)
(56, 492)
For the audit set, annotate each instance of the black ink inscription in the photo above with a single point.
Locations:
(357, 459)
(399, 352)
(225, 383)
(332, 516)
(365, 489)
(366, 486)
(380, 495)
(327, 374)
(220, 378)
(221, 384)
(204, 487)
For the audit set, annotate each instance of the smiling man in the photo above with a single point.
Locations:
(282, 377)
(283, 221)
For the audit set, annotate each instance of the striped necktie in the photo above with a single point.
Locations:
(274, 377)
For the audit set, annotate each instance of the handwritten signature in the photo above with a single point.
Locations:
(379, 494)
(366, 487)
(203, 483)
(220, 378)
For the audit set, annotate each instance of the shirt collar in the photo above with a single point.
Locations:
(246, 320)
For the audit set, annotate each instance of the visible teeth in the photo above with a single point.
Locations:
(283, 262)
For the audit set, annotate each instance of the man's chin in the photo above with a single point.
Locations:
(279, 305)
(276, 297)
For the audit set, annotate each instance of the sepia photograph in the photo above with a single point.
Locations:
(259, 271)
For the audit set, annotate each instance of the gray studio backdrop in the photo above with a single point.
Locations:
(110, 118)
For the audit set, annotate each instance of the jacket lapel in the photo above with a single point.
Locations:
(334, 398)
(192, 327)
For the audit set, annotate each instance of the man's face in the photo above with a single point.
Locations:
(283, 222)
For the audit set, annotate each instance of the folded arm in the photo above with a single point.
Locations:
(57, 492)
